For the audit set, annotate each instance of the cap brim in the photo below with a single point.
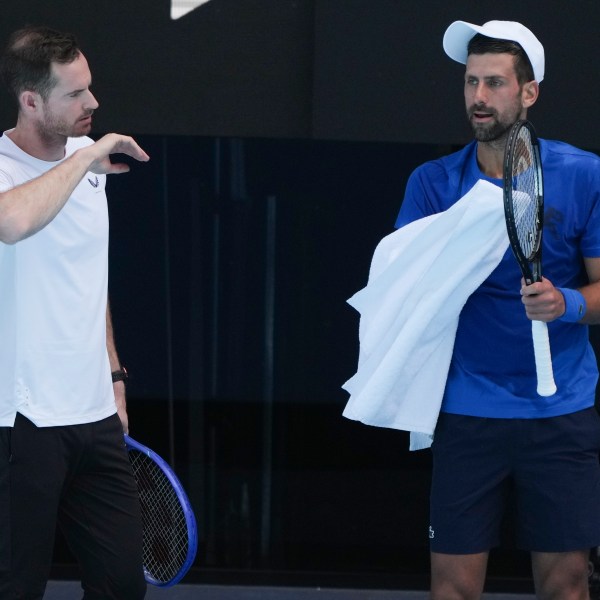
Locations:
(456, 40)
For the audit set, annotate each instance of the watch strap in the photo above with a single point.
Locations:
(120, 375)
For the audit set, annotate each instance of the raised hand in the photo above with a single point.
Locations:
(112, 143)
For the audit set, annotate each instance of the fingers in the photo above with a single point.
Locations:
(537, 288)
(122, 144)
(533, 289)
(543, 302)
(116, 168)
(98, 154)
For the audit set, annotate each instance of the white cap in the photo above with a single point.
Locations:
(458, 35)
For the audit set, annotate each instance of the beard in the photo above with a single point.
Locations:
(499, 125)
(490, 132)
(53, 126)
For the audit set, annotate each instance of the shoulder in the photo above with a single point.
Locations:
(561, 152)
(434, 186)
(445, 166)
(8, 149)
(442, 177)
(568, 167)
(14, 163)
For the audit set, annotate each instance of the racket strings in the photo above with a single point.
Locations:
(526, 194)
(165, 527)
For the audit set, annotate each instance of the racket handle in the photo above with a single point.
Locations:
(543, 359)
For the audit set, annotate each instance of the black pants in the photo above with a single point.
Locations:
(78, 477)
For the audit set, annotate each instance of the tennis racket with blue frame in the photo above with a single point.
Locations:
(170, 532)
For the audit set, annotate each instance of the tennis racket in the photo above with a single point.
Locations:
(524, 213)
(170, 533)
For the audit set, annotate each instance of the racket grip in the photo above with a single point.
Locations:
(543, 359)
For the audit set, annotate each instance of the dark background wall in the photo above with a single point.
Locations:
(322, 69)
(282, 133)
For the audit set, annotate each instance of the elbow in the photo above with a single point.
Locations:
(8, 237)
(13, 231)
(8, 240)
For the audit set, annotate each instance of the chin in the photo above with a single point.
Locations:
(80, 131)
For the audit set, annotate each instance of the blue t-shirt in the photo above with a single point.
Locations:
(492, 373)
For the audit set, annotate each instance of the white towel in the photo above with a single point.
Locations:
(420, 278)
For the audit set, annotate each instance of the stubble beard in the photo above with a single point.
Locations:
(53, 127)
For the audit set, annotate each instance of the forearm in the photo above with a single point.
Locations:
(115, 365)
(544, 302)
(591, 293)
(111, 347)
(28, 208)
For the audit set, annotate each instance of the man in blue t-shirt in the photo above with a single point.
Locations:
(495, 434)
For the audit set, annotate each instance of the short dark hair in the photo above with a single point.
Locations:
(26, 63)
(481, 44)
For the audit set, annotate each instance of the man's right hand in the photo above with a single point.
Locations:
(112, 143)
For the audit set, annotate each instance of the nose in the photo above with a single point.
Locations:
(479, 93)
(91, 103)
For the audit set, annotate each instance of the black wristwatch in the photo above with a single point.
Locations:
(120, 375)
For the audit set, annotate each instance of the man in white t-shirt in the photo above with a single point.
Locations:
(62, 414)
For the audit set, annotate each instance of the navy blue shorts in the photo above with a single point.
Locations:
(550, 465)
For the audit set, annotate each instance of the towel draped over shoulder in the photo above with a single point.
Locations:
(420, 278)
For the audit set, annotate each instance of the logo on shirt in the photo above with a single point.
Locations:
(554, 222)
(431, 532)
(94, 183)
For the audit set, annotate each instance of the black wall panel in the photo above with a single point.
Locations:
(323, 69)
(230, 67)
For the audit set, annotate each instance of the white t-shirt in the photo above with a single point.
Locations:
(54, 366)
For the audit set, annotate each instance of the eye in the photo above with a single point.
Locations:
(77, 93)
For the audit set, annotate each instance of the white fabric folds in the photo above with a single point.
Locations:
(420, 278)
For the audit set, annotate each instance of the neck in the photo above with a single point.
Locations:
(36, 143)
(490, 157)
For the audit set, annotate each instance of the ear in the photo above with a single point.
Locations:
(29, 102)
(531, 91)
